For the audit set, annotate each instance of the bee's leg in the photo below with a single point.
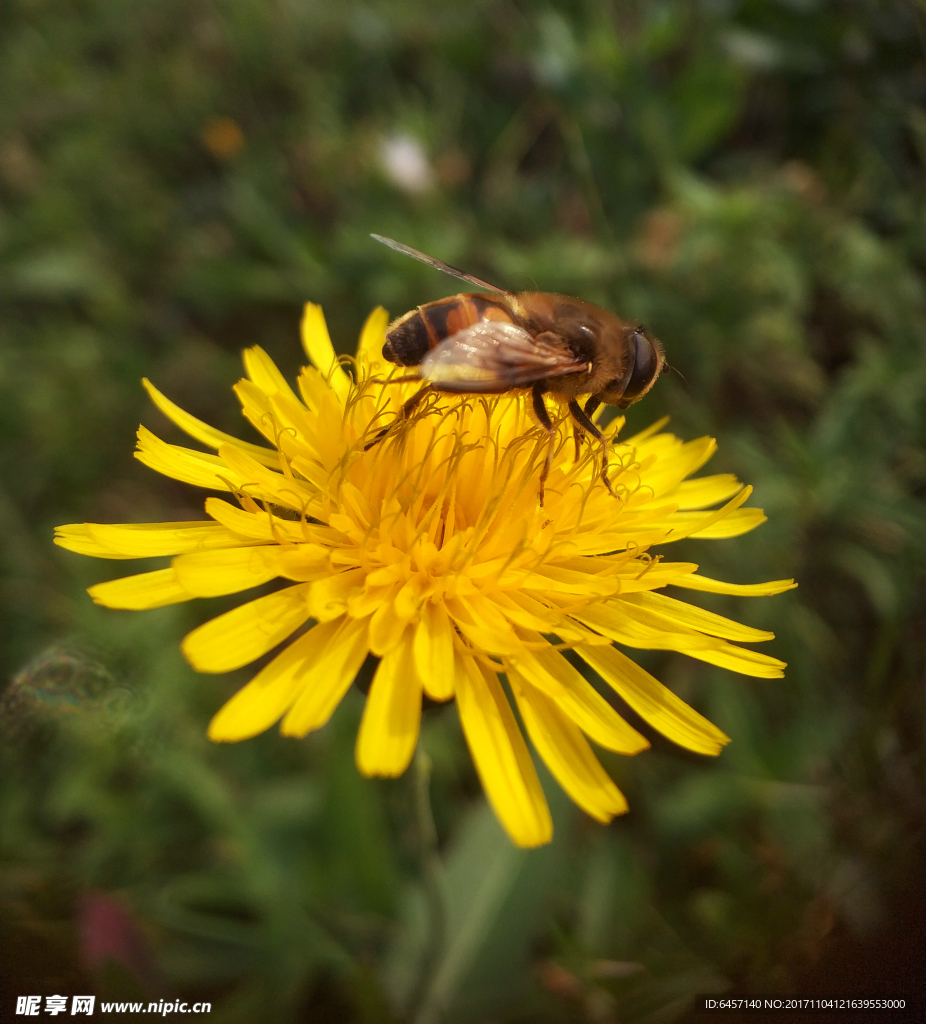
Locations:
(393, 380)
(593, 402)
(412, 404)
(540, 411)
(582, 418)
(591, 405)
(407, 410)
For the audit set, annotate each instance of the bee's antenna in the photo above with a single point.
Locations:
(675, 369)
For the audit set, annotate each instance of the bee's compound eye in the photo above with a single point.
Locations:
(645, 368)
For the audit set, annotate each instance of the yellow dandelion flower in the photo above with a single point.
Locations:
(431, 551)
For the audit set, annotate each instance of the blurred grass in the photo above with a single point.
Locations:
(746, 179)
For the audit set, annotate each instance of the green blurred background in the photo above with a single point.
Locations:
(743, 176)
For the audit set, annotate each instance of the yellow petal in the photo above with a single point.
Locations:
(271, 692)
(370, 349)
(147, 540)
(148, 590)
(304, 561)
(653, 702)
(317, 344)
(532, 614)
(299, 426)
(327, 675)
(392, 715)
(694, 494)
(183, 463)
(257, 526)
(313, 388)
(410, 598)
(733, 525)
(527, 612)
(501, 755)
(552, 674)
(647, 433)
(142, 540)
(263, 372)
(253, 525)
(684, 524)
(255, 407)
(646, 579)
(568, 581)
(211, 573)
(632, 630)
(635, 575)
(695, 582)
(738, 659)
(261, 482)
(77, 537)
(433, 650)
(616, 622)
(668, 473)
(386, 627)
(206, 434)
(567, 754)
(666, 613)
(364, 602)
(329, 596)
(243, 634)
(483, 625)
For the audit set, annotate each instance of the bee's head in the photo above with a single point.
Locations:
(646, 360)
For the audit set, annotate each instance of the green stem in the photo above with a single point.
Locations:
(431, 882)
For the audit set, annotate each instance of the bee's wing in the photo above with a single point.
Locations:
(493, 356)
(431, 261)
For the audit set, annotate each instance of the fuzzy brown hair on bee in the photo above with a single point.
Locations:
(489, 344)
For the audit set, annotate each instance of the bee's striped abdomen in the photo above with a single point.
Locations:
(411, 336)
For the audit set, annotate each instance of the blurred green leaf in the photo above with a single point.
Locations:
(494, 895)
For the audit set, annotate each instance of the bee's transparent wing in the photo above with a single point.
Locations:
(493, 356)
(431, 261)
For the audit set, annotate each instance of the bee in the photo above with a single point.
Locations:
(489, 344)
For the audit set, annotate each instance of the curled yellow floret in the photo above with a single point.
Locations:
(431, 551)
